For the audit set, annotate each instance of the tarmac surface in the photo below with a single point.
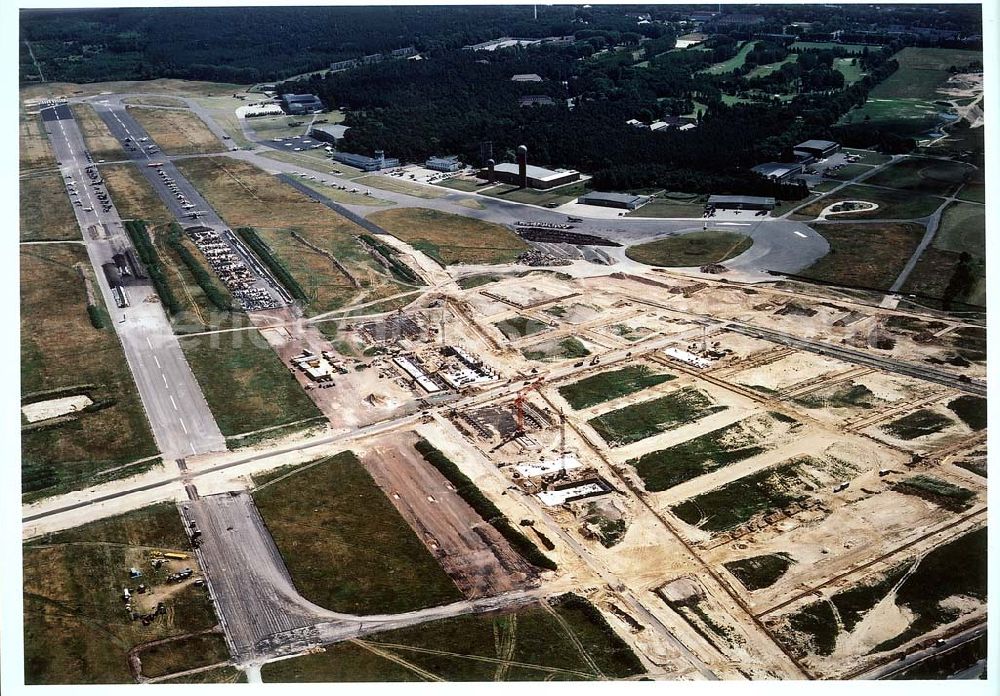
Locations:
(178, 414)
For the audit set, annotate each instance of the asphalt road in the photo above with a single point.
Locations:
(178, 414)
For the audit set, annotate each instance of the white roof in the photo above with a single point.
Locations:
(540, 173)
(561, 496)
(549, 466)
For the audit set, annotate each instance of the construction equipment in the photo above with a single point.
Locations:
(519, 404)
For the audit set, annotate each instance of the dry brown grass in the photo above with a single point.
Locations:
(161, 86)
(177, 132)
(61, 348)
(451, 239)
(96, 136)
(246, 196)
(46, 213)
(133, 195)
(35, 152)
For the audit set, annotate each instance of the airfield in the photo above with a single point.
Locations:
(682, 474)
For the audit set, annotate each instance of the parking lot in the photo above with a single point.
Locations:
(297, 143)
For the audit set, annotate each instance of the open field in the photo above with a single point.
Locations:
(914, 597)
(695, 249)
(56, 333)
(220, 675)
(451, 239)
(556, 196)
(177, 132)
(870, 256)
(736, 61)
(390, 183)
(463, 184)
(736, 502)
(933, 176)
(519, 327)
(246, 385)
(45, 210)
(133, 195)
(688, 206)
(96, 136)
(346, 197)
(614, 384)
(313, 159)
(904, 101)
(246, 196)
(848, 172)
(963, 228)
(345, 546)
(34, 151)
(565, 641)
(155, 101)
(892, 205)
(648, 418)
(666, 468)
(76, 629)
(758, 572)
(186, 653)
(765, 70)
(934, 271)
(850, 68)
(562, 349)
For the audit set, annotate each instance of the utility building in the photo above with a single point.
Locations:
(777, 171)
(816, 149)
(444, 164)
(365, 163)
(741, 202)
(613, 200)
(537, 177)
(301, 103)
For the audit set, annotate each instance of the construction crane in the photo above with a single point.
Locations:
(519, 404)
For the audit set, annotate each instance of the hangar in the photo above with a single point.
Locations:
(777, 171)
(613, 200)
(538, 177)
(741, 202)
(301, 103)
(817, 149)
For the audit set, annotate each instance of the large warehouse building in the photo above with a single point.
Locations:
(365, 163)
(777, 171)
(816, 149)
(301, 103)
(613, 200)
(741, 202)
(538, 177)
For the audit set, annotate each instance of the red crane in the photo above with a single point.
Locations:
(519, 403)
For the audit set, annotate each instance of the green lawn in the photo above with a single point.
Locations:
(568, 641)
(827, 45)
(345, 545)
(736, 502)
(563, 349)
(556, 196)
(648, 418)
(850, 68)
(919, 175)
(692, 249)
(688, 206)
(519, 327)
(892, 205)
(758, 572)
(736, 61)
(614, 384)
(245, 383)
(765, 70)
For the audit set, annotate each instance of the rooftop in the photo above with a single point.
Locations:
(540, 173)
(816, 145)
(527, 77)
(613, 197)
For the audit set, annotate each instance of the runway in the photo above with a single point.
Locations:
(178, 414)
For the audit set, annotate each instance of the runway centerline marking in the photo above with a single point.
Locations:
(799, 233)
(157, 361)
(164, 380)
(183, 426)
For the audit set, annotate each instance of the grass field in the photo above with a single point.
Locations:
(166, 86)
(76, 630)
(34, 151)
(735, 503)
(715, 450)
(345, 546)
(133, 195)
(177, 132)
(562, 349)
(519, 327)
(314, 159)
(919, 175)
(96, 136)
(867, 156)
(848, 172)
(904, 101)
(246, 196)
(765, 70)
(556, 196)
(220, 675)
(865, 255)
(664, 207)
(917, 424)
(736, 61)
(569, 640)
(45, 209)
(963, 228)
(933, 272)
(758, 572)
(346, 197)
(892, 205)
(155, 101)
(397, 185)
(974, 191)
(849, 68)
(694, 249)
(648, 418)
(186, 653)
(466, 185)
(246, 385)
(971, 409)
(61, 349)
(614, 384)
(451, 239)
